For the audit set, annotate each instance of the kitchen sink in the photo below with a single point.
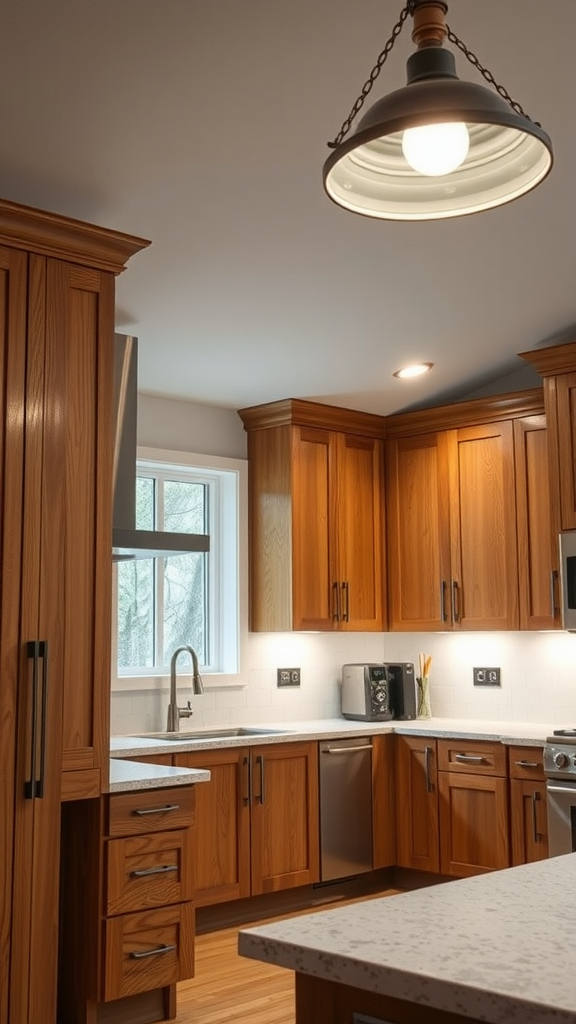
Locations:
(212, 734)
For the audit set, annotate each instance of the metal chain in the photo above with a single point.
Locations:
(487, 75)
(383, 57)
(367, 87)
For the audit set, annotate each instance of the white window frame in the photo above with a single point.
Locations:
(230, 620)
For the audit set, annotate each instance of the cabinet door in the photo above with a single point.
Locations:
(483, 527)
(473, 823)
(538, 563)
(222, 841)
(13, 285)
(285, 842)
(315, 573)
(562, 388)
(417, 803)
(76, 513)
(528, 821)
(360, 533)
(418, 552)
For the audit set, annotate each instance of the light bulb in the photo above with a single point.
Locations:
(435, 149)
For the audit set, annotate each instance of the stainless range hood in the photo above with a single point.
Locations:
(127, 541)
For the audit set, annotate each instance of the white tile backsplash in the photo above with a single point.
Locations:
(538, 673)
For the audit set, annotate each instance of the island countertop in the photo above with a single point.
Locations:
(498, 947)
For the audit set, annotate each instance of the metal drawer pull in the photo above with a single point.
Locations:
(527, 764)
(470, 758)
(347, 750)
(157, 810)
(537, 836)
(153, 952)
(142, 872)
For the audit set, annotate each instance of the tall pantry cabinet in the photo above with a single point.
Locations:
(56, 454)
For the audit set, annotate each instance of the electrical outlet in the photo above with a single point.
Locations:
(486, 676)
(288, 676)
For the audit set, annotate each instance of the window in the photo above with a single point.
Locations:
(184, 599)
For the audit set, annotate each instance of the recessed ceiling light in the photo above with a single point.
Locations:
(413, 370)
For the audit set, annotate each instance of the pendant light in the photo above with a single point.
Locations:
(438, 147)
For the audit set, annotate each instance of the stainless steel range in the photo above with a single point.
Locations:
(560, 770)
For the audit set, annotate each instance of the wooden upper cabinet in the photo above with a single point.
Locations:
(484, 581)
(557, 366)
(538, 558)
(451, 511)
(316, 518)
(417, 512)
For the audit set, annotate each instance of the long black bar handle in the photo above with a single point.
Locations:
(37, 650)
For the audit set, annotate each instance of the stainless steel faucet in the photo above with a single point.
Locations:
(174, 712)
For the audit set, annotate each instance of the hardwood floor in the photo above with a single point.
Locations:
(230, 988)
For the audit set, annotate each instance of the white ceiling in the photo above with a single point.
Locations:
(202, 125)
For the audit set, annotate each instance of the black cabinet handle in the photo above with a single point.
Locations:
(247, 799)
(37, 652)
(260, 763)
(335, 602)
(345, 601)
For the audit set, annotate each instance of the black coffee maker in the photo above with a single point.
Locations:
(402, 684)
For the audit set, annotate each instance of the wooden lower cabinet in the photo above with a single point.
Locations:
(257, 820)
(452, 806)
(528, 810)
(417, 822)
(127, 905)
(473, 803)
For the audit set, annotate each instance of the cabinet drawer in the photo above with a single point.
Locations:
(150, 810)
(474, 757)
(149, 871)
(526, 763)
(148, 950)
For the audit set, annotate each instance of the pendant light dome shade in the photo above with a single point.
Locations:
(508, 154)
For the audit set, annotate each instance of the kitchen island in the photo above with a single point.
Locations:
(497, 948)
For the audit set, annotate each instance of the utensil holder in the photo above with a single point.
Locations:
(424, 697)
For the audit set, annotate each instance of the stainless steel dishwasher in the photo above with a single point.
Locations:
(345, 807)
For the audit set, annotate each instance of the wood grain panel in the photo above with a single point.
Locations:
(149, 932)
(528, 821)
(473, 823)
(483, 527)
(538, 561)
(359, 520)
(315, 567)
(270, 524)
(417, 803)
(13, 267)
(418, 549)
(149, 871)
(478, 757)
(327, 1002)
(285, 850)
(222, 846)
(140, 811)
(526, 763)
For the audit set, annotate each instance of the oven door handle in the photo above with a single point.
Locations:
(568, 788)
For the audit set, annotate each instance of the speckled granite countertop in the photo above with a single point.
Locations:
(125, 775)
(524, 733)
(499, 947)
